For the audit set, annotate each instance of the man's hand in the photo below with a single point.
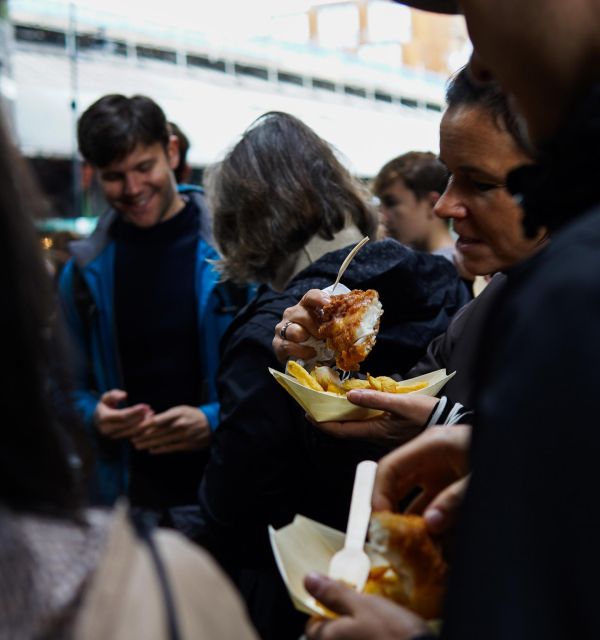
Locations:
(404, 418)
(113, 422)
(181, 428)
(299, 323)
(441, 513)
(433, 461)
(361, 616)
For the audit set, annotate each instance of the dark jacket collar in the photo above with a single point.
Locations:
(564, 183)
(86, 250)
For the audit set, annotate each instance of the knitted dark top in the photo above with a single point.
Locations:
(156, 320)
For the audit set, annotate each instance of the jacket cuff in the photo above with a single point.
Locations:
(85, 406)
(211, 411)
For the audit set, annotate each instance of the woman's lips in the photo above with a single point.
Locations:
(465, 244)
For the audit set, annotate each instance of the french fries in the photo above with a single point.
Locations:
(326, 379)
(302, 375)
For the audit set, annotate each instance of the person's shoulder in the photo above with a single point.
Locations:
(582, 236)
(208, 602)
(184, 558)
(571, 262)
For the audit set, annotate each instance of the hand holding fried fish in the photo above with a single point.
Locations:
(349, 326)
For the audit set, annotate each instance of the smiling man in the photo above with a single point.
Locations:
(146, 311)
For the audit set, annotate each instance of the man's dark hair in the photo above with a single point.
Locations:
(114, 125)
(277, 188)
(462, 91)
(184, 147)
(421, 172)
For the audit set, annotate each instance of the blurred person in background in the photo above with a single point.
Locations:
(67, 571)
(183, 175)
(408, 188)
(286, 213)
(182, 171)
(525, 565)
(490, 233)
(57, 250)
(146, 313)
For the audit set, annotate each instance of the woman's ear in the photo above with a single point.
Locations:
(432, 197)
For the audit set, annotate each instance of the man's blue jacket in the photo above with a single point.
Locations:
(92, 331)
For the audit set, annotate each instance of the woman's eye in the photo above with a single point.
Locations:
(486, 186)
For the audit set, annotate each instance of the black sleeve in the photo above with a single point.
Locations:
(254, 453)
(435, 358)
(440, 349)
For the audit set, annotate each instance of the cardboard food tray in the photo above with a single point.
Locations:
(306, 546)
(302, 547)
(322, 406)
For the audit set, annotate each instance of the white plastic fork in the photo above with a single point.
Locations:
(345, 264)
(351, 564)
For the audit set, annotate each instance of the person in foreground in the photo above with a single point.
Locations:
(490, 233)
(67, 571)
(525, 565)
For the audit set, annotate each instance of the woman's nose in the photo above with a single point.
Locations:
(478, 71)
(449, 206)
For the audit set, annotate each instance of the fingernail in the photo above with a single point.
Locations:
(434, 518)
(355, 393)
(314, 582)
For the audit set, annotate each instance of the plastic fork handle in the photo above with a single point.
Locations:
(347, 261)
(360, 506)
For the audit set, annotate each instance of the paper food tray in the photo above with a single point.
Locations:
(322, 406)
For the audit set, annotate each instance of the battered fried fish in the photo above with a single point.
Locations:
(417, 574)
(350, 325)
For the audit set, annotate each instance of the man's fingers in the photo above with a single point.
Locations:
(360, 429)
(128, 415)
(146, 445)
(166, 417)
(334, 595)
(113, 397)
(376, 399)
(414, 407)
(155, 439)
(432, 460)
(442, 512)
(422, 500)
(127, 431)
(314, 627)
(397, 475)
(171, 448)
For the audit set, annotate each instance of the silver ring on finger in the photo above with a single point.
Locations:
(283, 330)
